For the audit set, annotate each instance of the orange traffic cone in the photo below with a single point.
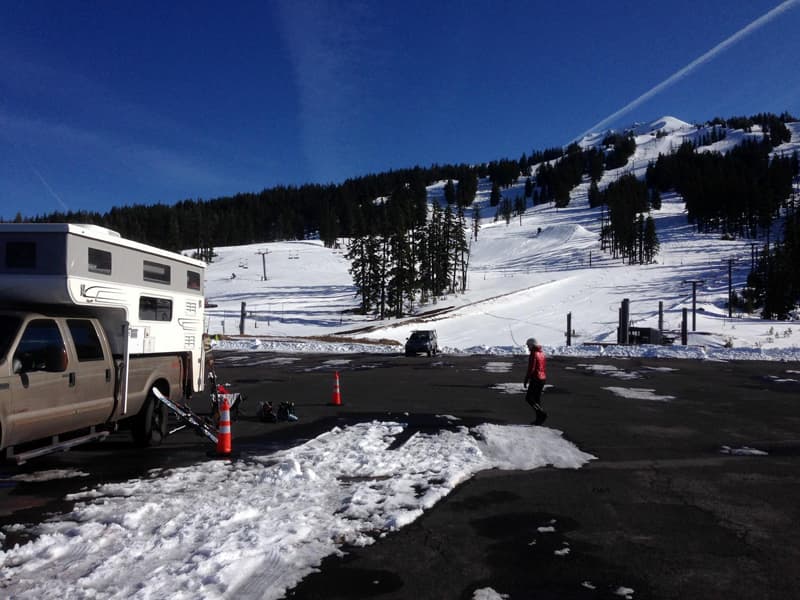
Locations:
(337, 396)
(224, 429)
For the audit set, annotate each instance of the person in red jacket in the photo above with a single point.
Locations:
(535, 375)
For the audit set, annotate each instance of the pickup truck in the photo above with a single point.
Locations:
(60, 385)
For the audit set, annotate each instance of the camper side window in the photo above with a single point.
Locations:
(155, 309)
(21, 255)
(156, 272)
(99, 261)
(193, 280)
(87, 344)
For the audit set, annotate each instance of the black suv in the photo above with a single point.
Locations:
(422, 341)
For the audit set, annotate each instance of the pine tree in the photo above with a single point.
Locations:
(424, 278)
(655, 199)
(595, 197)
(328, 227)
(467, 187)
(476, 222)
(437, 255)
(401, 280)
(594, 159)
(651, 243)
(528, 187)
(638, 253)
(446, 253)
(462, 247)
(450, 192)
(359, 250)
(505, 210)
(381, 262)
(494, 197)
(519, 207)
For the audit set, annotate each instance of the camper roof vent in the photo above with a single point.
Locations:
(101, 230)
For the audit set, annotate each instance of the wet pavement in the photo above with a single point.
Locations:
(678, 503)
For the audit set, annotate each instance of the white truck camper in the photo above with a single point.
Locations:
(93, 328)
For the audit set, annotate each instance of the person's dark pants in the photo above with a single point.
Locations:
(534, 398)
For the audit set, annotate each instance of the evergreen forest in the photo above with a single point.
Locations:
(402, 253)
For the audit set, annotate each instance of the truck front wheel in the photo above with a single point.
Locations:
(150, 425)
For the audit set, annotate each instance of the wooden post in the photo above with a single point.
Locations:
(569, 329)
(624, 320)
(730, 288)
(685, 327)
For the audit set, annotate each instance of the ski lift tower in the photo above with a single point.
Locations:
(263, 254)
(694, 283)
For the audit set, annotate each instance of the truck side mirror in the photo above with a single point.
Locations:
(23, 363)
(56, 359)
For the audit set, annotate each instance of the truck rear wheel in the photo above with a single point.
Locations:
(150, 425)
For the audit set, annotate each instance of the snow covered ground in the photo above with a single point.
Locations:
(524, 278)
(255, 527)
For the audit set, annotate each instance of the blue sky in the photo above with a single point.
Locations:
(106, 104)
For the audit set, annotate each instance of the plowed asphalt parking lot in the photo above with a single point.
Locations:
(675, 506)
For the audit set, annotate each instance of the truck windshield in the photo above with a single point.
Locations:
(8, 330)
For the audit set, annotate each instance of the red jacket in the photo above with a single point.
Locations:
(536, 366)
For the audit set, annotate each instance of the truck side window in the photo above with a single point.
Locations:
(87, 344)
(42, 347)
(155, 309)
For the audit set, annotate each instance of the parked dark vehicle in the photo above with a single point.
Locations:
(422, 342)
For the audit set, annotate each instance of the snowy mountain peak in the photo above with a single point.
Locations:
(665, 124)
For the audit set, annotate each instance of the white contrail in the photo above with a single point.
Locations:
(52, 192)
(49, 189)
(743, 32)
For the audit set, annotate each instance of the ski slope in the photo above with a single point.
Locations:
(524, 278)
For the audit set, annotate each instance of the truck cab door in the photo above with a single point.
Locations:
(92, 376)
(40, 385)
